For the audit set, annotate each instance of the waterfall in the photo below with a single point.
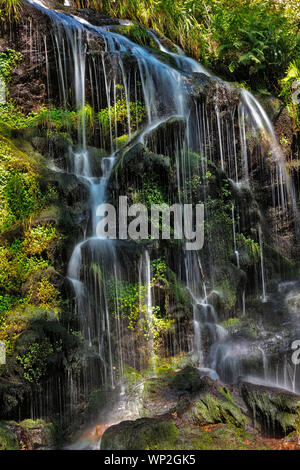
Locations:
(234, 239)
(89, 55)
(262, 266)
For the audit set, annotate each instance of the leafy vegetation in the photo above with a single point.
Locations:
(127, 115)
(250, 41)
(8, 60)
(289, 85)
(10, 9)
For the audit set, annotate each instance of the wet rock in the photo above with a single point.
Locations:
(208, 409)
(293, 302)
(212, 404)
(189, 380)
(275, 411)
(164, 139)
(95, 159)
(215, 91)
(142, 434)
(158, 398)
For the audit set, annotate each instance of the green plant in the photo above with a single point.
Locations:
(249, 41)
(47, 295)
(8, 60)
(124, 300)
(34, 361)
(232, 324)
(151, 193)
(38, 239)
(10, 9)
(22, 196)
(251, 246)
(292, 75)
(124, 114)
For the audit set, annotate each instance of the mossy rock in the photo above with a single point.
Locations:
(274, 411)
(8, 440)
(142, 434)
(211, 410)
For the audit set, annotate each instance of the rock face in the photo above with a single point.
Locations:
(183, 408)
(208, 415)
(276, 411)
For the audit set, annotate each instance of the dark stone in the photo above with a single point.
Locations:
(275, 411)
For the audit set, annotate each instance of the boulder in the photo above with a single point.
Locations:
(142, 434)
(212, 404)
(275, 411)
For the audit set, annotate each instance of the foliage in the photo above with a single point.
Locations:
(123, 298)
(150, 194)
(37, 239)
(228, 291)
(218, 221)
(47, 295)
(129, 301)
(21, 195)
(161, 326)
(251, 246)
(128, 115)
(8, 60)
(113, 120)
(245, 40)
(6, 302)
(255, 38)
(159, 269)
(34, 361)
(287, 90)
(232, 324)
(10, 9)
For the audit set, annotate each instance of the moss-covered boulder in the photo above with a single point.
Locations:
(275, 411)
(142, 434)
(208, 409)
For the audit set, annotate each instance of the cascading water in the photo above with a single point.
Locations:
(92, 57)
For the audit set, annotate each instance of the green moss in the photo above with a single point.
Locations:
(275, 412)
(143, 434)
(8, 440)
(210, 410)
(228, 292)
(232, 324)
(277, 265)
(122, 114)
(121, 141)
(252, 247)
